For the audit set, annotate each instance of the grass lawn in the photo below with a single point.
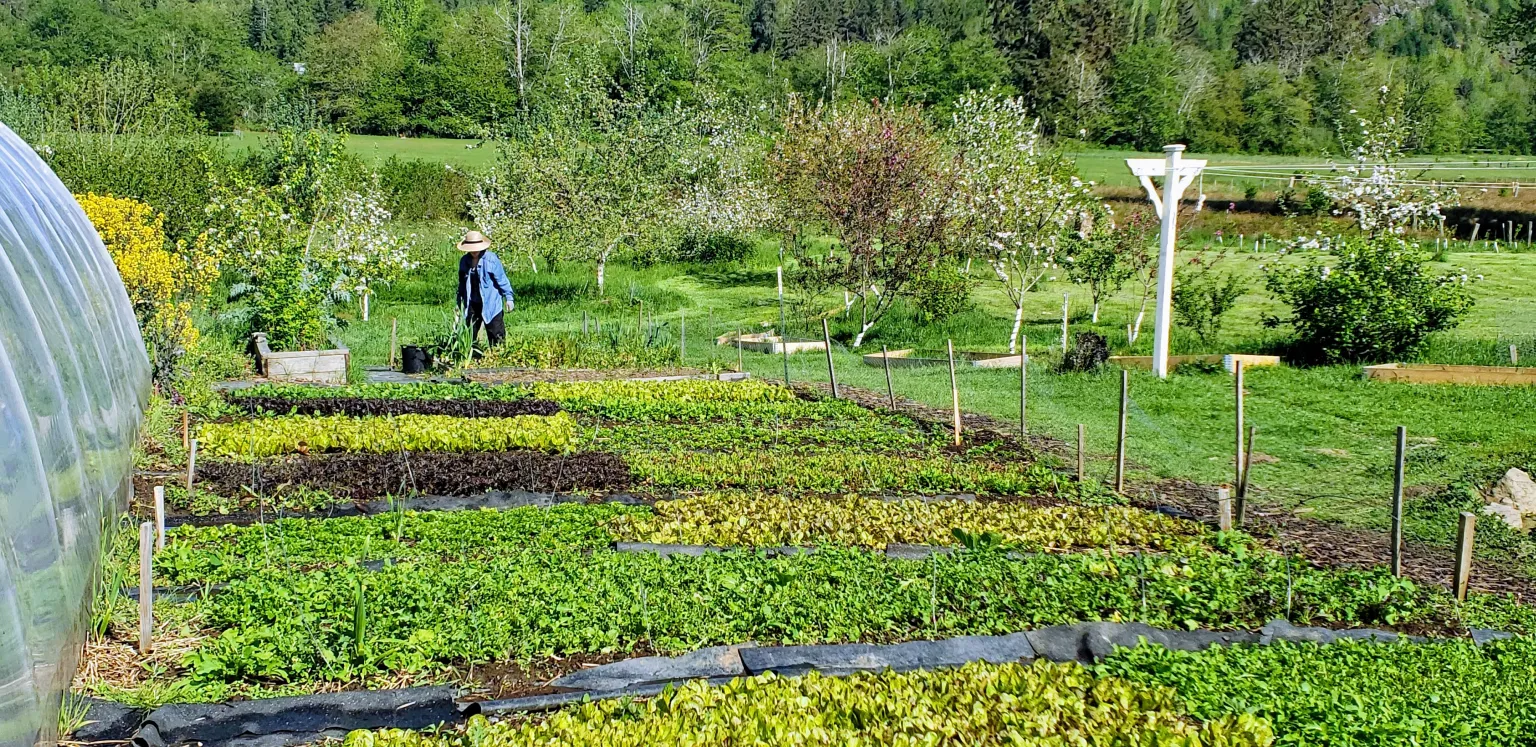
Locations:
(1108, 167)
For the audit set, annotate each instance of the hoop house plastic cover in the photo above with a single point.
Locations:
(74, 380)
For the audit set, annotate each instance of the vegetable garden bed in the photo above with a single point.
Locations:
(499, 602)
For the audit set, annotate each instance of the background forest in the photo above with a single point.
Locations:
(1271, 76)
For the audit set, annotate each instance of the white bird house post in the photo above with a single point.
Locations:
(1177, 175)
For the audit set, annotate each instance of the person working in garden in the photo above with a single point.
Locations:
(484, 291)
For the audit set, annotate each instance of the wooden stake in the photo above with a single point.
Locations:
(186, 430)
(890, 390)
(1464, 547)
(1397, 502)
(954, 389)
(1023, 386)
(826, 337)
(1237, 381)
(682, 335)
(1125, 403)
(1082, 447)
(146, 588)
(740, 364)
(159, 517)
(394, 331)
(1224, 509)
(1514, 355)
(583, 324)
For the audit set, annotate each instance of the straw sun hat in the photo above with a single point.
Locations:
(474, 241)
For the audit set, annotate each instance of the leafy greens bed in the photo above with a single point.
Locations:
(288, 624)
(978, 704)
(297, 434)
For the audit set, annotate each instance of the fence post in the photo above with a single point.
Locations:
(1082, 442)
(1224, 509)
(1514, 355)
(159, 517)
(1397, 501)
(954, 389)
(1464, 545)
(1237, 381)
(890, 391)
(826, 337)
(146, 588)
(1125, 401)
(1023, 386)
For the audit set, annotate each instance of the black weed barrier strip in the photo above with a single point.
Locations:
(275, 722)
(363, 477)
(374, 406)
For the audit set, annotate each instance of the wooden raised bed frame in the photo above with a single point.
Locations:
(1227, 361)
(1430, 373)
(315, 366)
(767, 342)
(905, 358)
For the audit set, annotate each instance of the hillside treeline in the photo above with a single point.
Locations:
(1258, 76)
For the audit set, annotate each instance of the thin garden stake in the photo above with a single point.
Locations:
(1464, 539)
(1514, 355)
(1082, 442)
(826, 337)
(890, 390)
(584, 324)
(1023, 385)
(1125, 402)
(740, 364)
(783, 325)
(1224, 509)
(186, 430)
(394, 330)
(1237, 381)
(191, 467)
(159, 517)
(1397, 502)
(682, 335)
(1065, 298)
(146, 588)
(1242, 487)
(954, 389)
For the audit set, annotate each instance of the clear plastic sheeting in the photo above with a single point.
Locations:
(74, 381)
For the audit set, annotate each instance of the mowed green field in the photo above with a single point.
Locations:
(376, 149)
(1106, 167)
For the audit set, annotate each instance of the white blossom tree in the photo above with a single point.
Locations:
(364, 250)
(1020, 199)
(1373, 187)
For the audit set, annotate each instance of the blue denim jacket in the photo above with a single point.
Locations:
(492, 278)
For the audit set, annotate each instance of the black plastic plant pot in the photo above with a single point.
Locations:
(414, 359)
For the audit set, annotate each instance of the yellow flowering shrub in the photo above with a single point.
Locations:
(162, 281)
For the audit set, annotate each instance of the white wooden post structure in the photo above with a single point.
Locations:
(1177, 174)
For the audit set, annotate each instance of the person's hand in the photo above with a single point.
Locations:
(509, 305)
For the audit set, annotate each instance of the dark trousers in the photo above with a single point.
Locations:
(495, 329)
